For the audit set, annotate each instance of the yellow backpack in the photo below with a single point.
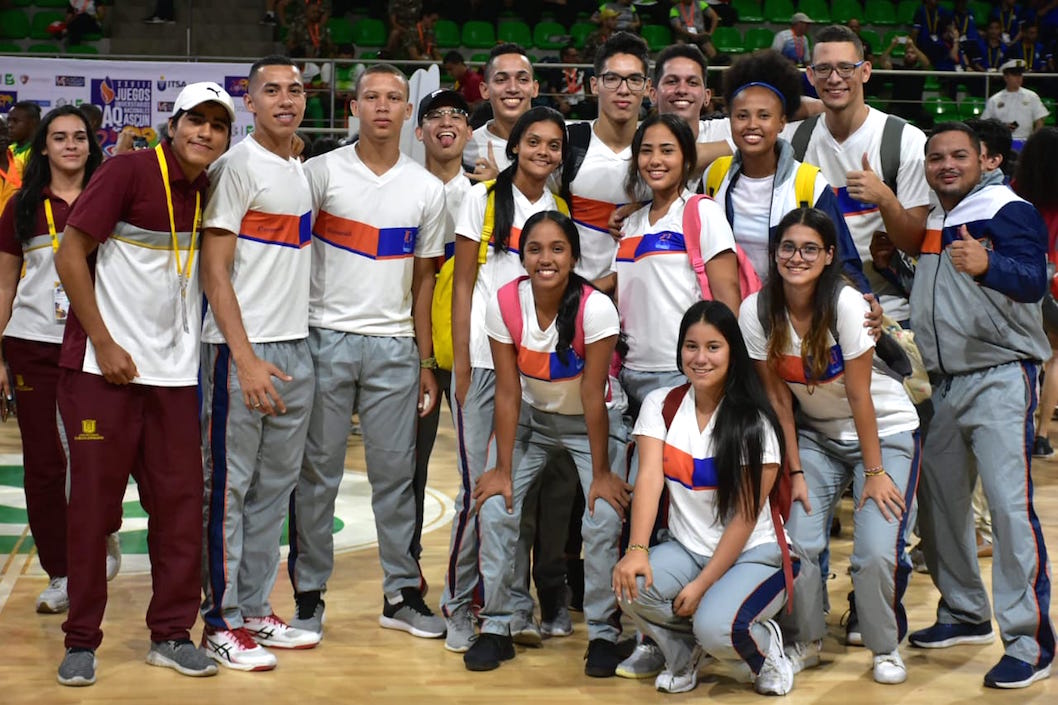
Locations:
(441, 307)
(804, 180)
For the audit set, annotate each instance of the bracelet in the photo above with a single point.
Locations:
(429, 363)
(874, 472)
(796, 472)
(637, 547)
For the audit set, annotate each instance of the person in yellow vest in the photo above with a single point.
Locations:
(10, 169)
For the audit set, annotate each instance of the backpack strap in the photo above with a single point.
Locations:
(801, 135)
(692, 227)
(890, 149)
(805, 184)
(561, 204)
(511, 309)
(490, 221)
(672, 403)
(579, 135)
(714, 176)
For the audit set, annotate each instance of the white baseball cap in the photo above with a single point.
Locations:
(204, 92)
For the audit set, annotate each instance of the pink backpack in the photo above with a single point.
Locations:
(748, 281)
(511, 310)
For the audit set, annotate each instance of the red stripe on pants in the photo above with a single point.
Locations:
(35, 377)
(151, 433)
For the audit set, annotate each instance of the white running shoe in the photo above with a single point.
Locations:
(273, 631)
(776, 675)
(113, 556)
(889, 668)
(684, 681)
(803, 655)
(235, 648)
(54, 600)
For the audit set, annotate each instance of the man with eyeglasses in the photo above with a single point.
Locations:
(509, 87)
(379, 228)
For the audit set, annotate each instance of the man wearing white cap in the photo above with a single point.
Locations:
(793, 43)
(1016, 106)
(128, 389)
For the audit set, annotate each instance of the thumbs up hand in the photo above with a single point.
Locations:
(865, 185)
(968, 254)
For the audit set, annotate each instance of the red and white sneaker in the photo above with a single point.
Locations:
(273, 631)
(235, 648)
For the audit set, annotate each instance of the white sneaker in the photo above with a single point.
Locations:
(54, 600)
(235, 648)
(273, 631)
(889, 668)
(684, 681)
(803, 655)
(776, 675)
(646, 661)
(113, 556)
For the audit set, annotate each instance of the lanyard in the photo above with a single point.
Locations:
(689, 16)
(185, 273)
(1007, 20)
(1028, 52)
(931, 22)
(993, 59)
(51, 225)
(965, 24)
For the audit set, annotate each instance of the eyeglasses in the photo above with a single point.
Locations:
(844, 69)
(441, 113)
(809, 251)
(612, 81)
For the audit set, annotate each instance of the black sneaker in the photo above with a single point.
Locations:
(488, 651)
(602, 658)
(308, 611)
(1041, 448)
(853, 637)
(410, 614)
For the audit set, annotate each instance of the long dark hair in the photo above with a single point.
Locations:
(1035, 178)
(566, 320)
(815, 346)
(38, 171)
(504, 185)
(739, 431)
(684, 138)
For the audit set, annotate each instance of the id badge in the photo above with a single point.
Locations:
(61, 303)
(692, 29)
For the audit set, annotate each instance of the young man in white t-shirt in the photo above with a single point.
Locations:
(510, 87)
(379, 227)
(680, 88)
(257, 380)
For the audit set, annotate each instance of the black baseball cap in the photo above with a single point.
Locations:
(442, 97)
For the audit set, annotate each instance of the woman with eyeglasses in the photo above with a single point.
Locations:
(760, 183)
(855, 423)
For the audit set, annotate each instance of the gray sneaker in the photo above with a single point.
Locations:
(460, 631)
(646, 661)
(410, 614)
(525, 631)
(182, 656)
(308, 612)
(559, 624)
(78, 667)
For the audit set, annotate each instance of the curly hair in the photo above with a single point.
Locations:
(765, 66)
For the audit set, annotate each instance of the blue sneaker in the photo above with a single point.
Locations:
(941, 636)
(1014, 673)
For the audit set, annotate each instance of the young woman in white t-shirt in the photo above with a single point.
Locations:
(715, 585)
(550, 400)
(855, 425)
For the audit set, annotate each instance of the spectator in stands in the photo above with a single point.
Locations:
(82, 17)
(94, 115)
(568, 86)
(693, 22)
(307, 33)
(627, 17)
(270, 13)
(164, 13)
(907, 89)
(10, 171)
(22, 121)
(793, 42)
(1030, 49)
(468, 81)
(1016, 106)
(607, 26)
(1010, 16)
(403, 14)
(987, 53)
(928, 34)
(868, 50)
(728, 15)
(420, 43)
(963, 18)
(995, 144)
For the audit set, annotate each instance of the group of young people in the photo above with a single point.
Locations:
(730, 335)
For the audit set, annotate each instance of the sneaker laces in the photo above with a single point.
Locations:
(242, 638)
(413, 599)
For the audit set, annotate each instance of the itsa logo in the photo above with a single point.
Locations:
(7, 99)
(236, 85)
(164, 85)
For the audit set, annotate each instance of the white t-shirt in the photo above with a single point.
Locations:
(34, 314)
(751, 203)
(825, 403)
(690, 473)
(265, 200)
(478, 146)
(455, 191)
(1021, 106)
(548, 384)
(500, 267)
(369, 229)
(655, 281)
(864, 219)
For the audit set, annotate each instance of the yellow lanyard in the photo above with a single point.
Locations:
(183, 273)
(51, 226)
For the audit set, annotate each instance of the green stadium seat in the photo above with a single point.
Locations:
(905, 11)
(874, 39)
(981, 12)
(971, 107)
(748, 11)
(481, 58)
(1052, 107)
(759, 38)
(845, 10)
(549, 35)
(10, 48)
(22, 3)
(779, 11)
(879, 13)
(341, 30)
(82, 49)
(38, 28)
(369, 33)
(446, 32)
(478, 35)
(898, 50)
(728, 40)
(14, 24)
(52, 3)
(44, 49)
(816, 9)
(657, 36)
(940, 108)
(580, 30)
(515, 31)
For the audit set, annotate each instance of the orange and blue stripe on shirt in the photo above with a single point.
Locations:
(795, 370)
(549, 366)
(850, 206)
(277, 229)
(363, 239)
(693, 473)
(592, 213)
(633, 249)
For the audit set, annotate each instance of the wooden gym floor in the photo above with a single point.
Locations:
(358, 662)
